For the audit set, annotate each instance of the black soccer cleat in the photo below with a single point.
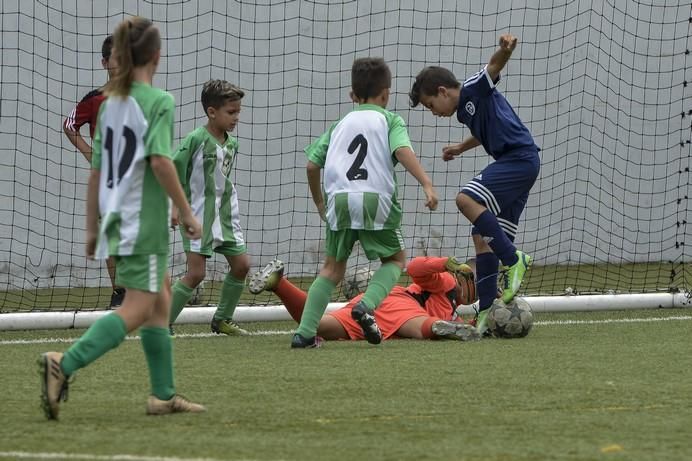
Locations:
(362, 315)
(301, 342)
(117, 297)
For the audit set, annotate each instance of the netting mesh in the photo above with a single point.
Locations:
(601, 85)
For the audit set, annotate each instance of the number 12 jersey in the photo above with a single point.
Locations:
(134, 208)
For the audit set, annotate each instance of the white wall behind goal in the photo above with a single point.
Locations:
(600, 85)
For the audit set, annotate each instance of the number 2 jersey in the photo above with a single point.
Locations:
(357, 154)
(134, 208)
(204, 168)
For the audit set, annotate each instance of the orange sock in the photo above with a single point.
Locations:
(426, 328)
(292, 297)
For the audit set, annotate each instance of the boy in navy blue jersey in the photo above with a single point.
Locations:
(494, 199)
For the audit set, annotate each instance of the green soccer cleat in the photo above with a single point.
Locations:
(227, 327)
(481, 321)
(515, 275)
(266, 279)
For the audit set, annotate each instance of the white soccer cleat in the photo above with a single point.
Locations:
(266, 279)
(455, 330)
(177, 404)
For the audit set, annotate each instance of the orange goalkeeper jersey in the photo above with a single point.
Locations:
(432, 294)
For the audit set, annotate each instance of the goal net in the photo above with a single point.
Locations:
(601, 85)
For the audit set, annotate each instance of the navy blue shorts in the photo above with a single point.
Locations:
(503, 188)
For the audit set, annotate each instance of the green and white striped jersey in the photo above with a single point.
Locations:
(357, 154)
(204, 168)
(134, 208)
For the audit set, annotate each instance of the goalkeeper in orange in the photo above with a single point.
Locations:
(426, 309)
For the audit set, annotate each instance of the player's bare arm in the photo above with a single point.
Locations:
(175, 217)
(78, 141)
(451, 151)
(92, 212)
(314, 181)
(408, 159)
(498, 60)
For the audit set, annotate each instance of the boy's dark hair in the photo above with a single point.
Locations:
(215, 93)
(369, 76)
(107, 47)
(136, 42)
(429, 80)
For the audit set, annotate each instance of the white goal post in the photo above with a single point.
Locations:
(202, 315)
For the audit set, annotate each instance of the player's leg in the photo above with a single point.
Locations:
(331, 329)
(142, 276)
(486, 222)
(509, 219)
(197, 251)
(227, 239)
(338, 246)
(483, 200)
(417, 328)
(231, 289)
(388, 246)
(318, 297)
(158, 351)
(271, 278)
(487, 269)
(426, 327)
(182, 289)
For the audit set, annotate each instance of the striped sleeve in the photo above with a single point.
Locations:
(480, 83)
(79, 116)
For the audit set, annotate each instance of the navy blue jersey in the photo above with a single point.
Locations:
(490, 118)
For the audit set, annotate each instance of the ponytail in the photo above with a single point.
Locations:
(135, 43)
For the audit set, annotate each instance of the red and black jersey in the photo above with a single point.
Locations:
(86, 111)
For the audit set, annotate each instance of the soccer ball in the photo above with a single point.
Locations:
(356, 282)
(513, 320)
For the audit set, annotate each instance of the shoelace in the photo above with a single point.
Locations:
(181, 402)
(505, 279)
(65, 388)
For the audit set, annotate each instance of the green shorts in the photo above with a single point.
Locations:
(141, 272)
(376, 244)
(207, 245)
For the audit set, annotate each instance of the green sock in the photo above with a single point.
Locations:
(381, 284)
(319, 294)
(159, 353)
(231, 290)
(181, 295)
(105, 334)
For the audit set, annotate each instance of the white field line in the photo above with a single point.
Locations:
(69, 456)
(606, 321)
(9, 342)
